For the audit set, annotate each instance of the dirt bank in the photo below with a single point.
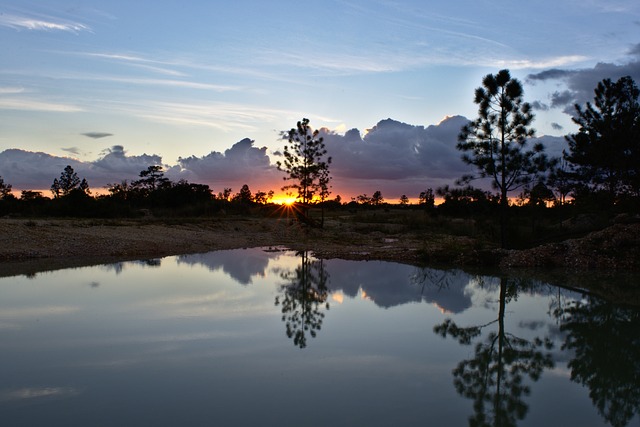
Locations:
(59, 243)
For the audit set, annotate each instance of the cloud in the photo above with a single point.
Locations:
(403, 158)
(35, 105)
(556, 126)
(240, 164)
(18, 22)
(4, 90)
(580, 83)
(72, 150)
(97, 135)
(393, 157)
(115, 165)
(540, 106)
(27, 170)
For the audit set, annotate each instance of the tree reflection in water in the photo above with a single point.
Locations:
(304, 296)
(494, 377)
(605, 340)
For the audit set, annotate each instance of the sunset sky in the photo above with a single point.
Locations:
(205, 87)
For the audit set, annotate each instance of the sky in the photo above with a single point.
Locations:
(205, 88)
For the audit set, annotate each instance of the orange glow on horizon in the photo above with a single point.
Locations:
(283, 199)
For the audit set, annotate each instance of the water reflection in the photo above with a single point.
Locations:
(494, 377)
(605, 341)
(303, 298)
(197, 336)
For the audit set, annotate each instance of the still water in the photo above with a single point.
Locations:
(276, 338)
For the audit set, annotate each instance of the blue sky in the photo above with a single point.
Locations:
(205, 87)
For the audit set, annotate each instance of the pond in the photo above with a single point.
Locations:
(276, 338)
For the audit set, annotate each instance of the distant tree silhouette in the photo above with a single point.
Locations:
(29, 195)
(561, 179)
(5, 190)
(304, 296)
(404, 200)
(244, 196)
(68, 183)
(496, 142)
(151, 179)
(306, 164)
(605, 152)
(467, 200)
(263, 198)
(427, 198)
(539, 195)
(120, 191)
(225, 194)
(363, 199)
(377, 198)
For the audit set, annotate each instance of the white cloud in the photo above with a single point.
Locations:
(559, 61)
(36, 105)
(40, 24)
(10, 90)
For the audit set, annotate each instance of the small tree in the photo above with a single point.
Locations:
(427, 198)
(306, 164)
(30, 195)
(404, 200)
(496, 142)
(68, 182)
(262, 198)
(121, 191)
(377, 198)
(225, 194)
(363, 199)
(244, 196)
(151, 179)
(5, 190)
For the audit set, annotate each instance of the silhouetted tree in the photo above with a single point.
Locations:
(244, 196)
(404, 200)
(363, 199)
(496, 142)
(151, 179)
(561, 179)
(605, 346)
(493, 378)
(467, 200)
(305, 294)
(5, 190)
(263, 198)
(605, 152)
(225, 194)
(427, 198)
(68, 182)
(28, 195)
(377, 198)
(539, 195)
(306, 164)
(121, 191)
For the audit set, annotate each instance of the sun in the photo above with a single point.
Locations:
(284, 200)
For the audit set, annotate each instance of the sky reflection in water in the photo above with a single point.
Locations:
(255, 337)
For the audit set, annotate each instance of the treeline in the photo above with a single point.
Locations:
(598, 173)
(153, 193)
